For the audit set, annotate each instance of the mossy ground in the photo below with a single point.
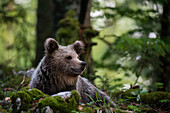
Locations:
(58, 104)
(34, 93)
(27, 97)
(34, 99)
(152, 102)
(156, 99)
(25, 101)
(9, 80)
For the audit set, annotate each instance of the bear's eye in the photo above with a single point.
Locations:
(69, 57)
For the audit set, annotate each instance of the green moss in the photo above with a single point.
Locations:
(73, 101)
(27, 96)
(2, 110)
(154, 99)
(60, 105)
(55, 103)
(64, 32)
(25, 88)
(70, 13)
(75, 95)
(35, 94)
(69, 22)
(125, 95)
(68, 29)
(25, 101)
(90, 33)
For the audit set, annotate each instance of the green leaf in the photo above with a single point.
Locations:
(164, 100)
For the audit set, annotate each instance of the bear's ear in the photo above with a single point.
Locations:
(79, 47)
(51, 45)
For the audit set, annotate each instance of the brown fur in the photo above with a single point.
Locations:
(60, 67)
(60, 70)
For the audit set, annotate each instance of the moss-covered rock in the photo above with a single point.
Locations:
(55, 103)
(34, 93)
(58, 104)
(21, 101)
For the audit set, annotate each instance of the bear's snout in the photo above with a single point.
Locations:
(83, 63)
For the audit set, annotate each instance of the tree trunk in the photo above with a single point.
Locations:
(49, 13)
(44, 26)
(85, 22)
(165, 36)
(85, 4)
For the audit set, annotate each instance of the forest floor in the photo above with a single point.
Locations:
(15, 96)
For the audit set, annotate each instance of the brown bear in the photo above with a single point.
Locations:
(60, 70)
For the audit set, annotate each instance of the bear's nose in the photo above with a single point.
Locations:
(83, 63)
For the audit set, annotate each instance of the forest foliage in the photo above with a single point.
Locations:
(138, 48)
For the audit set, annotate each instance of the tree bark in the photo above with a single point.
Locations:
(84, 19)
(165, 36)
(87, 21)
(49, 13)
(85, 5)
(44, 26)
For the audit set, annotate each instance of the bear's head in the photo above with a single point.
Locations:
(65, 59)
